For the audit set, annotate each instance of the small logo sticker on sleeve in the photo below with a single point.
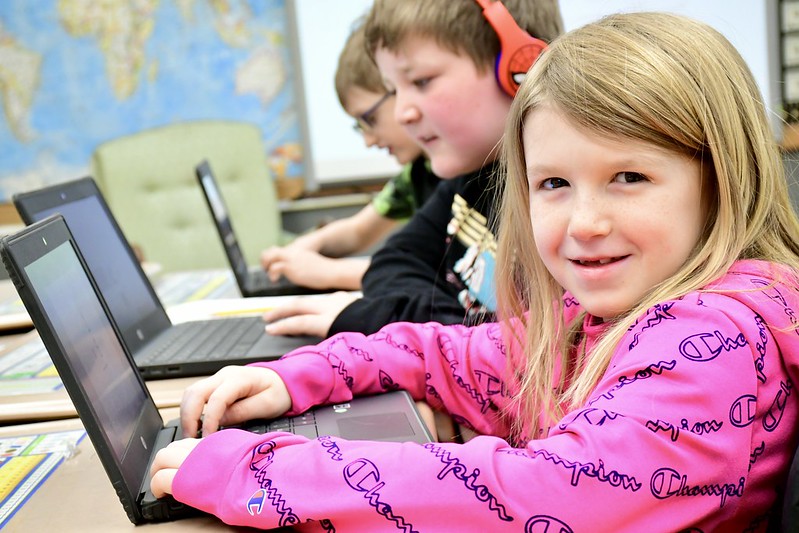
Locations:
(256, 502)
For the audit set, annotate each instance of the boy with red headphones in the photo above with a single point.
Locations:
(455, 66)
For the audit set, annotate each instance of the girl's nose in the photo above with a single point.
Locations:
(590, 217)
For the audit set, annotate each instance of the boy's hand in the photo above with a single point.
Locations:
(166, 464)
(305, 242)
(233, 395)
(308, 316)
(311, 269)
(270, 255)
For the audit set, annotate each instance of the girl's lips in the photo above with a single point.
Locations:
(599, 270)
(598, 262)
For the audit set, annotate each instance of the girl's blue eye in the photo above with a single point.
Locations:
(630, 177)
(554, 183)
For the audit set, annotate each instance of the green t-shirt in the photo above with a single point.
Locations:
(407, 191)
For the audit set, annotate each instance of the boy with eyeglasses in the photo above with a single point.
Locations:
(317, 259)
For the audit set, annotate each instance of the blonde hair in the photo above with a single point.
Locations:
(457, 25)
(356, 67)
(675, 83)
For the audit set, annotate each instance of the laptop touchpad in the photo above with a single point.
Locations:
(384, 426)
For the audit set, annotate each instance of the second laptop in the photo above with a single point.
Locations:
(160, 349)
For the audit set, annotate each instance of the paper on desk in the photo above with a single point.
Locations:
(26, 461)
(179, 287)
(13, 314)
(224, 307)
(28, 369)
(228, 307)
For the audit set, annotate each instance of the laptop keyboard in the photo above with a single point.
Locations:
(303, 425)
(260, 280)
(208, 340)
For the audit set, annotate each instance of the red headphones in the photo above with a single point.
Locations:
(518, 49)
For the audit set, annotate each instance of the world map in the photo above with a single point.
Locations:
(76, 73)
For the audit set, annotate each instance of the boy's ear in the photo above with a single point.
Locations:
(519, 49)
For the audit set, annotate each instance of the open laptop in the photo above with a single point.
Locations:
(251, 281)
(161, 349)
(109, 394)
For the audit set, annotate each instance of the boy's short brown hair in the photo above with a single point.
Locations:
(456, 25)
(356, 67)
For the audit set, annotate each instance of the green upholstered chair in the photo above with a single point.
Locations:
(149, 182)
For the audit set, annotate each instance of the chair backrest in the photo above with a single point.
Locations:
(149, 182)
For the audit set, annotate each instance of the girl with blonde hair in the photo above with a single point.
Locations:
(641, 375)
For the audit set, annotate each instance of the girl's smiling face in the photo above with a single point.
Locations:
(611, 218)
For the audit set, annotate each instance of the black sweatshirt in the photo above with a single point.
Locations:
(422, 272)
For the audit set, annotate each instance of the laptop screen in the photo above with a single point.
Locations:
(128, 293)
(96, 369)
(122, 287)
(90, 343)
(222, 220)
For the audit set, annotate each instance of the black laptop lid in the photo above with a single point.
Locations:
(222, 222)
(116, 409)
(130, 297)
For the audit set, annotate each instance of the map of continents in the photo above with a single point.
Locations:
(75, 73)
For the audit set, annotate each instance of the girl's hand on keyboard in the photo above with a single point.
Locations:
(166, 464)
(233, 395)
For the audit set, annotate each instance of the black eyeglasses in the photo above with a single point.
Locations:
(367, 120)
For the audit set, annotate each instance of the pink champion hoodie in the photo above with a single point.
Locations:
(693, 425)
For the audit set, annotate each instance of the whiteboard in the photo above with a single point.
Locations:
(335, 153)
